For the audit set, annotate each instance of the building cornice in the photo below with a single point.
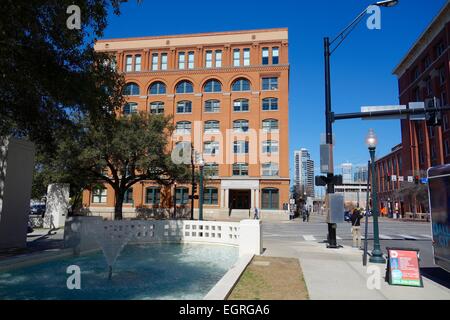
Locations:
(424, 40)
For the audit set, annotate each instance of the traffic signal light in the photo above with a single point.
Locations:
(416, 180)
(194, 188)
(433, 114)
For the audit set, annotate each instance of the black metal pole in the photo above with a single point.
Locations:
(193, 181)
(174, 200)
(332, 243)
(366, 227)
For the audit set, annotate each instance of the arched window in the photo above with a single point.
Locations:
(182, 195)
(212, 86)
(183, 127)
(270, 104)
(240, 105)
(211, 196)
(212, 106)
(131, 89)
(269, 125)
(241, 85)
(240, 125)
(157, 88)
(270, 169)
(270, 199)
(184, 87)
(157, 107)
(152, 195)
(212, 126)
(184, 107)
(130, 108)
(270, 146)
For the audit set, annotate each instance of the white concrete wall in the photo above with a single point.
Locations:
(16, 175)
(249, 240)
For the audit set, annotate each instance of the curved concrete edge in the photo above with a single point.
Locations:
(223, 288)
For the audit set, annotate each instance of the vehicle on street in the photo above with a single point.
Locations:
(37, 209)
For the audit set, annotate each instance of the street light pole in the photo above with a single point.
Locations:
(377, 254)
(328, 51)
(200, 207)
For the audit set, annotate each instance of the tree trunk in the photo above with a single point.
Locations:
(118, 205)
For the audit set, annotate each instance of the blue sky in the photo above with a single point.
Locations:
(361, 68)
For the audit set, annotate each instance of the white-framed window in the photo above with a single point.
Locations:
(270, 84)
(155, 62)
(270, 146)
(153, 195)
(240, 169)
(163, 61)
(209, 59)
(240, 126)
(269, 169)
(129, 63)
(137, 63)
(212, 106)
(241, 105)
(218, 58)
(275, 55)
(157, 107)
(236, 57)
(211, 169)
(99, 195)
(265, 56)
(246, 57)
(181, 60)
(184, 107)
(211, 148)
(130, 108)
(212, 126)
(270, 104)
(191, 59)
(240, 147)
(270, 125)
(183, 127)
(211, 196)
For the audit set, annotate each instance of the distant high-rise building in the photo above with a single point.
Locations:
(304, 172)
(347, 172)
(360, 174)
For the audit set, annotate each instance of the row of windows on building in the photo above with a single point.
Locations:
(428, 60)
(212, 148)
(212, 59)
(210, 86)
(210, 106)
(425, 91)
(269, 199)
(213, 126)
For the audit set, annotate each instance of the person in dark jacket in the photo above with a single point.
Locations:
(356, 228)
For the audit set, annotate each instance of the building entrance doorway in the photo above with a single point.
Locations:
(240, 199)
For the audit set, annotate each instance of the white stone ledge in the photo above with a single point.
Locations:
(223, 288)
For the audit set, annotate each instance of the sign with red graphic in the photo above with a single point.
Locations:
(403, 267)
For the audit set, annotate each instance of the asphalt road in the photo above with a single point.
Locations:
(397, 234)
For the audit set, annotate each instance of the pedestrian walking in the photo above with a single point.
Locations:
(256, 215)
(356, 228)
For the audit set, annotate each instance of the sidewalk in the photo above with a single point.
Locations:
(338, 274)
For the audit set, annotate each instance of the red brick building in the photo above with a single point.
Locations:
(424, 73)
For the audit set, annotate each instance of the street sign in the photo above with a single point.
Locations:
(401, 179)
(403, 267)
(417, 105)
(369, 109)
(410, 179)
(394, 178)
(326, 158)
(424, 181)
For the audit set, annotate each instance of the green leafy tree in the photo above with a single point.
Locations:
(124, 151)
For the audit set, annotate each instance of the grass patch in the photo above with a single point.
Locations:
(268, 278)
